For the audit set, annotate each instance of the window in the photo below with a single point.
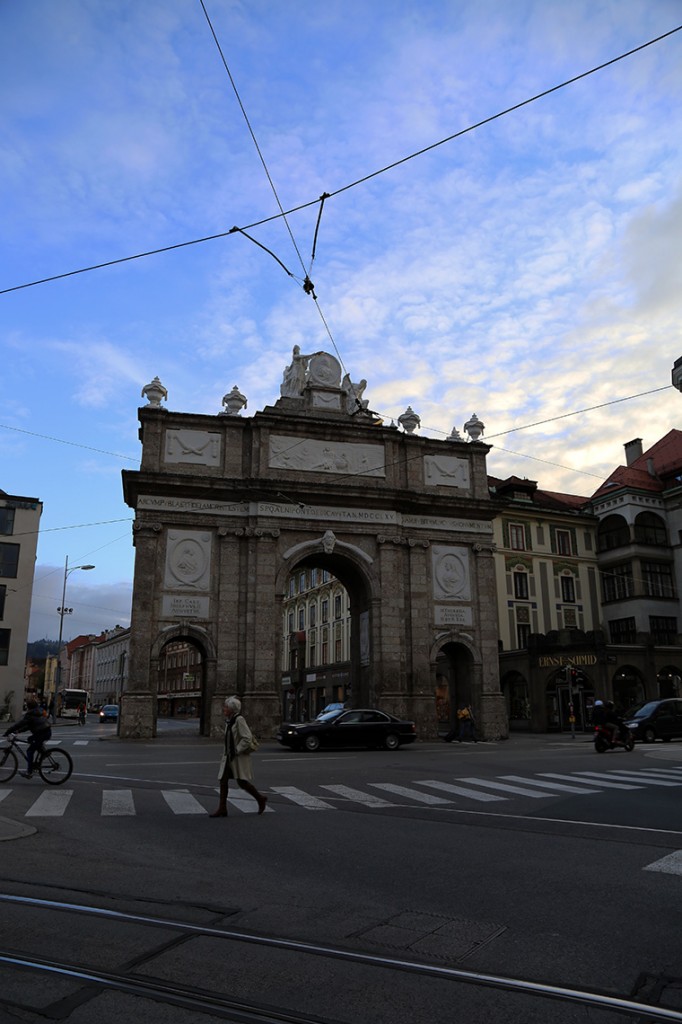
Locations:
(312, 614)
(650, 529)
(517, 537)
(337, 606)
(613, 532)
(521, 586)
(301, 618)
(325, 647)
(290, 622)
(311, 650)
(4, 646)
(325, 576)
(623, 631)
(301, 583)
(325, 610)
(563, 542)
(338, 649)
(522, 635)
(663, 629)
(658, 579)
(3, 593)
(7, 521)
(9, 560)
(567, 589)
(617, 582)
(313, 577)
(292, 587)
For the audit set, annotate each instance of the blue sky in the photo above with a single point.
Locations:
(522, 271)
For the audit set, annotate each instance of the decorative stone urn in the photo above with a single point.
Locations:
(154, 392)
(234, 401)
(409, 420)
(474, 427)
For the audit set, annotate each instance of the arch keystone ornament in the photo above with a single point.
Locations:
(229, 507)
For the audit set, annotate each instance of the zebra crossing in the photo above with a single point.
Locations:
(438, 793)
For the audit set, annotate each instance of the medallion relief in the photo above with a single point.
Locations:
(450, 567)
(188, 560)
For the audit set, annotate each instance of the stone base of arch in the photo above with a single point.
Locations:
(493, 717)
(137, 716)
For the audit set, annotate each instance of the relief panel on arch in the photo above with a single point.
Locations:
(446, 471)
(188, 560)
(450, 569)
(197, 447)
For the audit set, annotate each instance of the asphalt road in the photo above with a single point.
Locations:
(436, 883)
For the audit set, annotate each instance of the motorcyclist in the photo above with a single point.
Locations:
(34, 721)
(614, 723)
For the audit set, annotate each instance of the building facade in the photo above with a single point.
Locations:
(228, 508)
(19, 524)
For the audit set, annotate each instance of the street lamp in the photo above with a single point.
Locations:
(62, 612)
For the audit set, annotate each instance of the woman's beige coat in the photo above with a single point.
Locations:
(240, 765)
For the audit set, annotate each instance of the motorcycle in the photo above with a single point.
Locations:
(608, 739)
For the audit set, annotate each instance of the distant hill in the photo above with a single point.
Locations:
(38, 650)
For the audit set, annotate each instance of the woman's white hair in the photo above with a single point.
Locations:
(234, 703)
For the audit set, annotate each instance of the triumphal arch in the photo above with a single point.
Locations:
(228, 506)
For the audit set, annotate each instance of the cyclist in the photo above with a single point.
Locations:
(34, 721)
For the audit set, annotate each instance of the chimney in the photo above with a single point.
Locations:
(633, 450)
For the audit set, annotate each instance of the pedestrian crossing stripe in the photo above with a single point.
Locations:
(54, 803)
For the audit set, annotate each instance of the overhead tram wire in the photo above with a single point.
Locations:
(306, 284)
(344, 188)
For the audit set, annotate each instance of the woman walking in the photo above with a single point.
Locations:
(236, 761)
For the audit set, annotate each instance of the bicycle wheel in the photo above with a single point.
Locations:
(8, 764)
(55, 767)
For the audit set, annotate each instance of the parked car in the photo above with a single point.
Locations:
(109, 713)
(657, 719)
(357, 727)
(328, 708)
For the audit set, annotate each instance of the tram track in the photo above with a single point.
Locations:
(218, 1005)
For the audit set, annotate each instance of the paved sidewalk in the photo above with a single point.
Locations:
(14, 829)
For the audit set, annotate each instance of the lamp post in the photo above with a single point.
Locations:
(62, 612)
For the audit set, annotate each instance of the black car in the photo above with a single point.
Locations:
(657, 719)
(359, 727)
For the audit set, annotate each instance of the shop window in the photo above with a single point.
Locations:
(9, 560)
(623, 631)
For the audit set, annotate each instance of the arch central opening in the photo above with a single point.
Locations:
(325, 643)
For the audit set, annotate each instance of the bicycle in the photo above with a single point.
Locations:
(54, 765)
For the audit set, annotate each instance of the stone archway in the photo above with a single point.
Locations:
(226, 505)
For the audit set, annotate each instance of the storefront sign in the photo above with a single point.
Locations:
(559, 660)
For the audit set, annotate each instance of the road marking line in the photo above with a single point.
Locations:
(297, 796)
(358, 796)
(603, 780)
(447, 787)
(646, 780)
(561, 787)
(50, 805)
(412, 794)
(80, 743)
(4, 793)
(117, 802)
(670, 865)
(508, 789)
(181, 801)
